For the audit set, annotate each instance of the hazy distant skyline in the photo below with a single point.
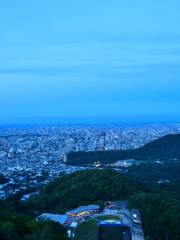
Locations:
(89, 59)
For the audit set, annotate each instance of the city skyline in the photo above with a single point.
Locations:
(89, 62)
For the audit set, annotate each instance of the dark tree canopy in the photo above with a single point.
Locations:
(165, 148)
(160, 207)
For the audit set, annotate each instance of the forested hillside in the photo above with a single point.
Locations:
(160, 208)
(165, 148)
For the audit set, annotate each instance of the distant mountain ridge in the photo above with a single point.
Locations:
(165, 148)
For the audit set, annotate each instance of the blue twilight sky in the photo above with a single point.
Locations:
(67, 59)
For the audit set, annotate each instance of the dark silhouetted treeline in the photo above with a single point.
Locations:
(166, 148)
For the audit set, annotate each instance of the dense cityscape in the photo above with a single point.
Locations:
(32, 156)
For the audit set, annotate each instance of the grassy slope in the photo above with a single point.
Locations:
(108, 217)
(87, 230)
